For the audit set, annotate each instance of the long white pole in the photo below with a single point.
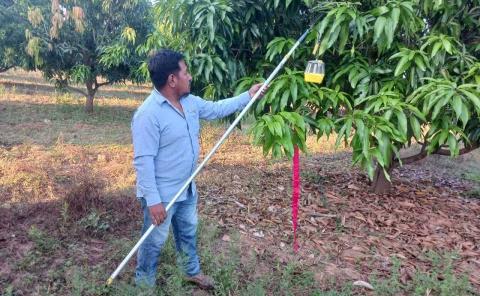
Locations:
(209, 155)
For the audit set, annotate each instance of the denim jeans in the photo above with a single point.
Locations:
(183, 218)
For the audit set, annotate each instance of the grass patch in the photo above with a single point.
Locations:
(440, 279)
(235, 272)
(43, 242)
(473, 176)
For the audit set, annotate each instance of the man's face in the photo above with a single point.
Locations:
(183, 80)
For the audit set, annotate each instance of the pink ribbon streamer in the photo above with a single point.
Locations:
(295, 194)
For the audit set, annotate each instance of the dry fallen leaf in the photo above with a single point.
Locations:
(363, 284)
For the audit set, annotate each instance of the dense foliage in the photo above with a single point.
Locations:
(398, 72)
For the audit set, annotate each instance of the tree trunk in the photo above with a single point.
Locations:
(89, 104)
(90, 95)
(380, 184)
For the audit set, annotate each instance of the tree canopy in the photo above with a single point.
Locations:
(13, 21)
(223, 40)
(397, 72)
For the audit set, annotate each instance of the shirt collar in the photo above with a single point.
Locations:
(158, 96)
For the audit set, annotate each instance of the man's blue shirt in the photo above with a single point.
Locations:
(165, 142)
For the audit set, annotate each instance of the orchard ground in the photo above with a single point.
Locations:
(68, 214)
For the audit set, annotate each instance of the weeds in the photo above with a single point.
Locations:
(441, 279)
(85, 193)
(391, 285)
(475, 191)
(95, 223)
(43, 243)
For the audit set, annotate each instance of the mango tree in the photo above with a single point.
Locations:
(399, 73)
(13, 21)
(223, 40)
(88, 42)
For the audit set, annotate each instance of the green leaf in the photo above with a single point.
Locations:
(465, 116)
(447, 45)
(278, 84)
(294, 91)
(435, 49)
(452, 145)
(473, 98)
(440, 105)
(284, 100)
(211, 27)
(402, 121)
(278, 128)
(380, 10)
(443, 137)
(379, 27)
(267, 143)
(269, 124)
(416, 129)
(403, 64)
(395, 16)
(420, 63)
(457, 106)
(389, 31)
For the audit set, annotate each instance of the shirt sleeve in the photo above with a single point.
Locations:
(213, 110)
(146, 139)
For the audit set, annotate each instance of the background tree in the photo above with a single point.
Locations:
(88, 42)
(398, 72)
(13, 21)
(223, 40)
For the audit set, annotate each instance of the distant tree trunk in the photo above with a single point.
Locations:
(91, 90)
(89, 104)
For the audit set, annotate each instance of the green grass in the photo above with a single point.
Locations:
(235, 278)
(473, 176)
(63, 119)
(236, 271)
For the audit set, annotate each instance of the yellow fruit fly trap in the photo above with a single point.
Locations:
(315, 71)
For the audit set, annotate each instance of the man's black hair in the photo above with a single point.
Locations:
(163, 63)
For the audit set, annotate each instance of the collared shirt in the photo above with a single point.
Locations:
(165, 142)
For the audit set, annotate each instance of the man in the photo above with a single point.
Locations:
(165, 130)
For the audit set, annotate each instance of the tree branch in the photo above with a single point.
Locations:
(465, 150)
(423, 153)
(6, 68)
(411, 159)
(77, 90)
(98, 85)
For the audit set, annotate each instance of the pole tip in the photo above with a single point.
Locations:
(109, 281)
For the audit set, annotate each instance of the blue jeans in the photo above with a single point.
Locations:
(183, 218)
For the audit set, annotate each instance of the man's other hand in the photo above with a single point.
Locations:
(157, 213)
(253, 90)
